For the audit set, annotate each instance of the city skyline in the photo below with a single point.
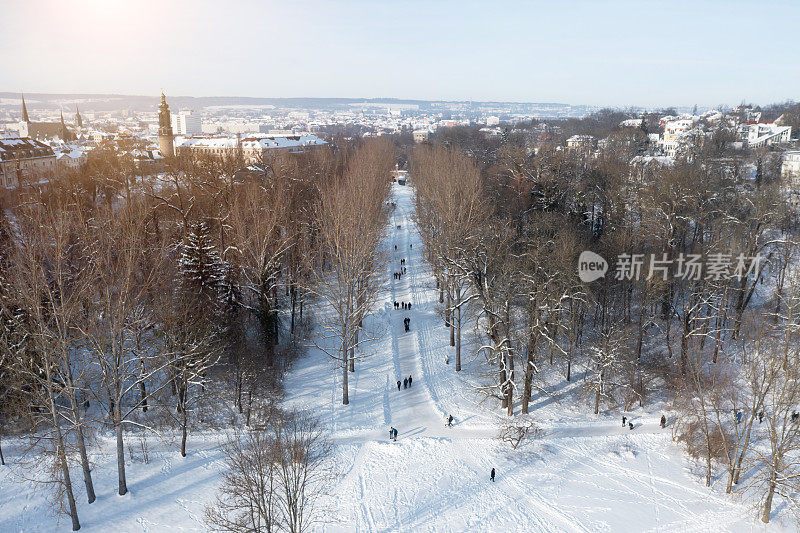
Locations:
(617, 54)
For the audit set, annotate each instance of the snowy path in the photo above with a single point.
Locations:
(584, 474)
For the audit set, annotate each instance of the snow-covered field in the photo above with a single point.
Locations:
(585, 473)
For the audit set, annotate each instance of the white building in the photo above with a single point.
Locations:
(678, 126)
(759, 134)
(420, 136)
(790, 168)
(632, 123)
(187, 122)
(581, 142)
(70, 158)
(253, 148)
(492, 121)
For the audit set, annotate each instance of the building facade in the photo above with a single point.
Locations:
(581, 143)
(187, 122)
(43, 130)
(761, 134)
(790, 167)
(25, 161)
(252, 149)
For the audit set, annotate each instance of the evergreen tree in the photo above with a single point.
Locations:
(201, 267)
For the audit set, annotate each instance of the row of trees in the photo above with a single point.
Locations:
(129, 302)
(503, 234)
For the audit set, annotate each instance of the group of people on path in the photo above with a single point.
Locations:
(406, 382)
(625, 421)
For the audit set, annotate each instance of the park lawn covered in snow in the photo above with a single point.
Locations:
(583, 473)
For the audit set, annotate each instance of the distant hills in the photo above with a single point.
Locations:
(115, 102)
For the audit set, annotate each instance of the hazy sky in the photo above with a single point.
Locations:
(599, 52)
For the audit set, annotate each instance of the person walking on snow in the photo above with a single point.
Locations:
(623, 421)
(450, 421)
(398, 384)
(663, 421)
(405, 383)
(392, 434)
(491, 476)
(409, 381)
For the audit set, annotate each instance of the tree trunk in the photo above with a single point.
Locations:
(87, 471)
(353, 352)
(123, 482)
(597, 398)
(510, 384)
(62, 459)
(143, 395)
(770, 495)
(503, 377)
(184, 424)
(458, 340)
(345, 397)
(294, 307)
(239, 384)
(2, 459)
(742, 453)
(527, 388)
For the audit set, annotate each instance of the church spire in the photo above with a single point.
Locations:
(78, 119)
(65, 133)
(24, 110)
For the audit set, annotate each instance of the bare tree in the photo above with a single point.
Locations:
(351, 217)
(248, 496)
(276, 474)
(125, 269)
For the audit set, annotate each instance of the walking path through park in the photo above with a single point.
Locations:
(584, 474)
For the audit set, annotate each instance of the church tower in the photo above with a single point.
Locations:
(165, 140)
(24, 111)
(78, 119)
(66, 135)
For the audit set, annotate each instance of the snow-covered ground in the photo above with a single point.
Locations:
(585, 473)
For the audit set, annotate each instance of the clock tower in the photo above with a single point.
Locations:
(165, 137)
